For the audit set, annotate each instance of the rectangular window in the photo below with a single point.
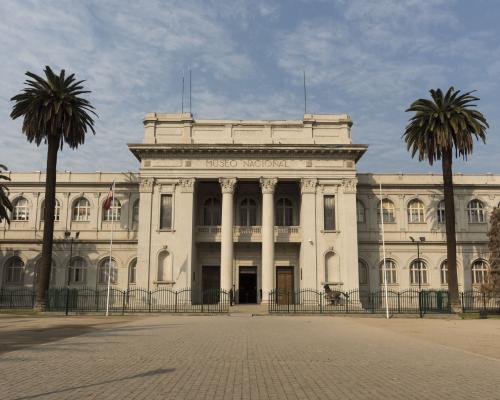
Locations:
(166, 211)
(329, 213)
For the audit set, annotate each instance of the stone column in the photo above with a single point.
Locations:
(308, 247)
(144, 233)
(226, 245)
(267, 185)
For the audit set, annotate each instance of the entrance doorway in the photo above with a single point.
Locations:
(284, 285)
(247, 292)
(210, 283)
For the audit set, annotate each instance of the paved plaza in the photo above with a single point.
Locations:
(243, 357)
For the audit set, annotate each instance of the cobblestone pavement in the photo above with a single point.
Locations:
(223, 357)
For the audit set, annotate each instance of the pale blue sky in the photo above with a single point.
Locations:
(369, 59)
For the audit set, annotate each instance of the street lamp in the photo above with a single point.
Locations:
(67, 236)
(419, 264)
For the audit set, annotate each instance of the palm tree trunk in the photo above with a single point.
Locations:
(451, 241)
(48, 226)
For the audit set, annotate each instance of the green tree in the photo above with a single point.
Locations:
(54, 113)
(442, 127)
(492, 286)
(5, 204)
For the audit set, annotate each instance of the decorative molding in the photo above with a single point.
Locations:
(349, 185)
(187, 185)
(268, 185)
(146, 185)
(308, 185)
(227, 185)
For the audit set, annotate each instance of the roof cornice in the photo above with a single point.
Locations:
(357, 150)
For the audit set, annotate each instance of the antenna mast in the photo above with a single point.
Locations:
(182, 101)
(305, 94)
(190, 91)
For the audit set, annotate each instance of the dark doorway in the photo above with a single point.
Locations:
(210, 283)
(247, 292)
(284, 285)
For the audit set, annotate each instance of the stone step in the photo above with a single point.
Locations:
(248, 309)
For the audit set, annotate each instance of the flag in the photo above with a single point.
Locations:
(107, 202)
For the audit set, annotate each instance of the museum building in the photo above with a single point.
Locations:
(248, 205)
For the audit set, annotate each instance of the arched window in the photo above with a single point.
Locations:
(248, 212)
(418, 272)
(135, 215)
(20, 210)
(164, 267)
(389, 211)
(53, 272)
(77, 270)
(475, 211)
(132, 272)
(104, 270)
(441, 212)
(390, 272)
(284, 212)
(444, 272)
(57, 211)
(113, 213)
(212, 211)
(479, 272)
(415, 211)
(360, 212)
(81, 210)
(14, 271)
(363, 273)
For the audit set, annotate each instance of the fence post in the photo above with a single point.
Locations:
(123, 302)
(320, 302)
(399, 302)
(149, 300)
(484, 301)
(11, 299)
(176, 293)
(294, 303)
(371, 296)
(346, 299)
(463, 304)
(96, 301)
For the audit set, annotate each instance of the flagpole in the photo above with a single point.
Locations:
(383, 254)
(110, 247)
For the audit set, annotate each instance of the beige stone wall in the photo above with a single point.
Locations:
(301, 160)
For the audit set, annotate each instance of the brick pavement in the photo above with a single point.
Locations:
(222, 357)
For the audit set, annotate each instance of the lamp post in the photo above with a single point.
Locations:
(67, 236)
(419, 263)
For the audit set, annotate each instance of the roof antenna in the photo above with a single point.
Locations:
(189, 91)
(182, 101)
(305, 94)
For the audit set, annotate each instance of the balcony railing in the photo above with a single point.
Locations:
(248, 233)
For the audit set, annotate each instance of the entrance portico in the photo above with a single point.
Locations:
(256, 186)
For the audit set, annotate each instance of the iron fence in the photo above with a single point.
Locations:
(411, 301)
(120, 301)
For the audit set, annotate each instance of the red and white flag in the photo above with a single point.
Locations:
(109, 199)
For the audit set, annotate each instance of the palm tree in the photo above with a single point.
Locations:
(54, 113)
(442, 127)
(5, 204)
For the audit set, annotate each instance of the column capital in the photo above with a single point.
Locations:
(308, 185)
(268, 184)
(187, 185)
(227, 185)
(146, 185)
(349, 185)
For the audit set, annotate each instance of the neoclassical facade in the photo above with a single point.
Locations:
(249, 206)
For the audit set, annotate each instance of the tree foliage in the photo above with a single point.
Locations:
(492, 286)
(445, 122)
(5, 204)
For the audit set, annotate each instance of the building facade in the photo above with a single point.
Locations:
(249, 206)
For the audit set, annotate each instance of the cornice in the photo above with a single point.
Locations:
(356, 150)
